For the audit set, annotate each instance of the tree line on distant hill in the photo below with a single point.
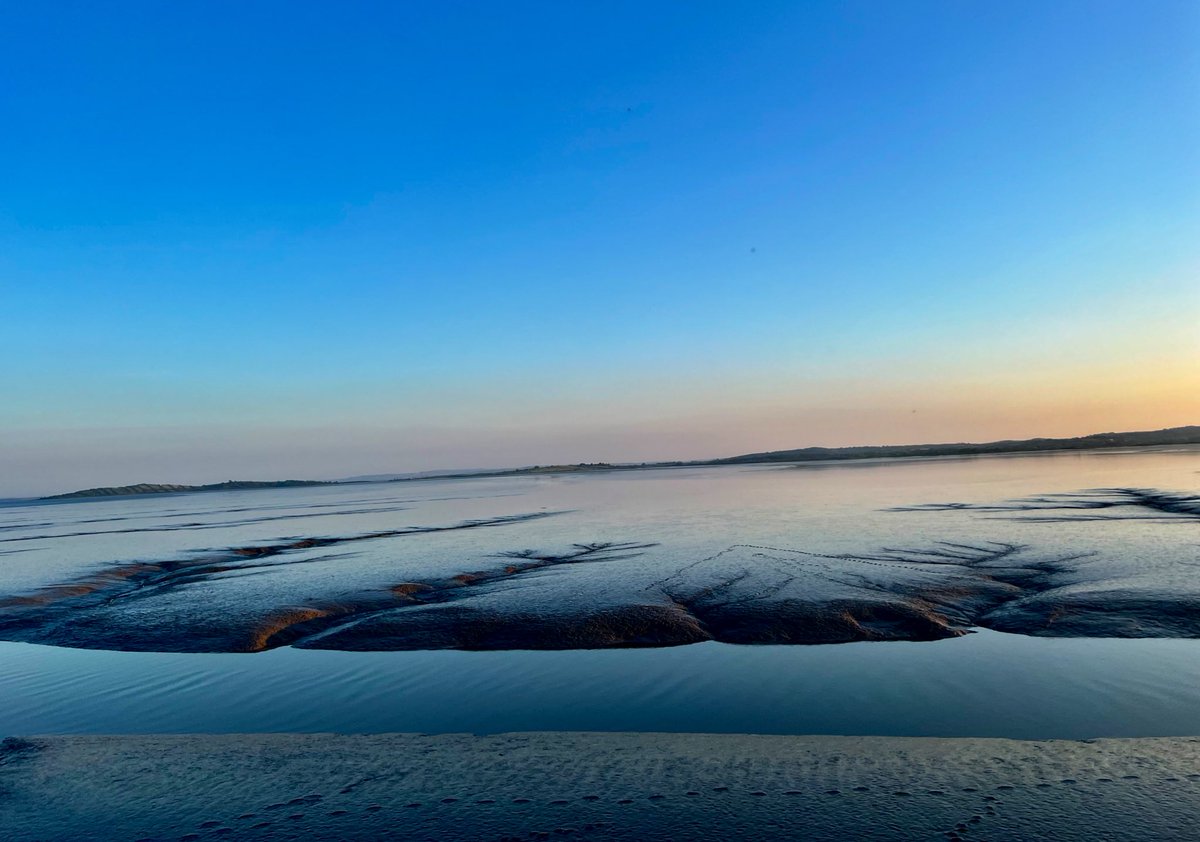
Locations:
(1173, 435)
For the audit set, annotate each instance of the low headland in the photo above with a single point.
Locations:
(171, 488)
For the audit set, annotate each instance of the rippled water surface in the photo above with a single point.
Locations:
(779, 530)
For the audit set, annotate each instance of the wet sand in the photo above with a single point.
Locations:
(603, 786)
(1087, 545)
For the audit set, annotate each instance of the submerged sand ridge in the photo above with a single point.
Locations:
(531, 786)
(309, 592)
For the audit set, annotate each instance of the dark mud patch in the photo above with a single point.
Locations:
(195, 525)
(1117, 614)
(452, 626)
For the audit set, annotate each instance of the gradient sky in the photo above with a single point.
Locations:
(254, 240)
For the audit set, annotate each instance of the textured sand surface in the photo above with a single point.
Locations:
(596, 786)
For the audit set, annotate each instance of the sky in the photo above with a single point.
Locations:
(257, 240)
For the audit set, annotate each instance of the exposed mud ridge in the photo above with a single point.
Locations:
(793, 595)
(339, 627)
(1114, 503)
(60, 613)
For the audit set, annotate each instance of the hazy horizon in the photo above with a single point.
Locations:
(301, 240)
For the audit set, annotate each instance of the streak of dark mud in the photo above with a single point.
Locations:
(310, 511)
(20, 525)
(258, 551)
(386, 504)
(221, 524)
(1117, 503)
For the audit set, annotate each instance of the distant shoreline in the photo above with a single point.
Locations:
(1098, 441)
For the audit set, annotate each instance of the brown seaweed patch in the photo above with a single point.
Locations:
(114, 578)
(273, 629)
(409, 589)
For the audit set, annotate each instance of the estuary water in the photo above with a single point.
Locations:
(835, 518)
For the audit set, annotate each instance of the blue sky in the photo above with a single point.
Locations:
(263, 239)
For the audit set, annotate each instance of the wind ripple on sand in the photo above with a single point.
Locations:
(604, 786)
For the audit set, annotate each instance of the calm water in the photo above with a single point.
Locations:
(985, 684)
(988, 684)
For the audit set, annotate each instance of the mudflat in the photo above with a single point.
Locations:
(1058, 545)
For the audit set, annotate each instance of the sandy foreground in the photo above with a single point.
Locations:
(595, 786)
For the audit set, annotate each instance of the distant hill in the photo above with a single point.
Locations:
(1173, 435)
(165, 488)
